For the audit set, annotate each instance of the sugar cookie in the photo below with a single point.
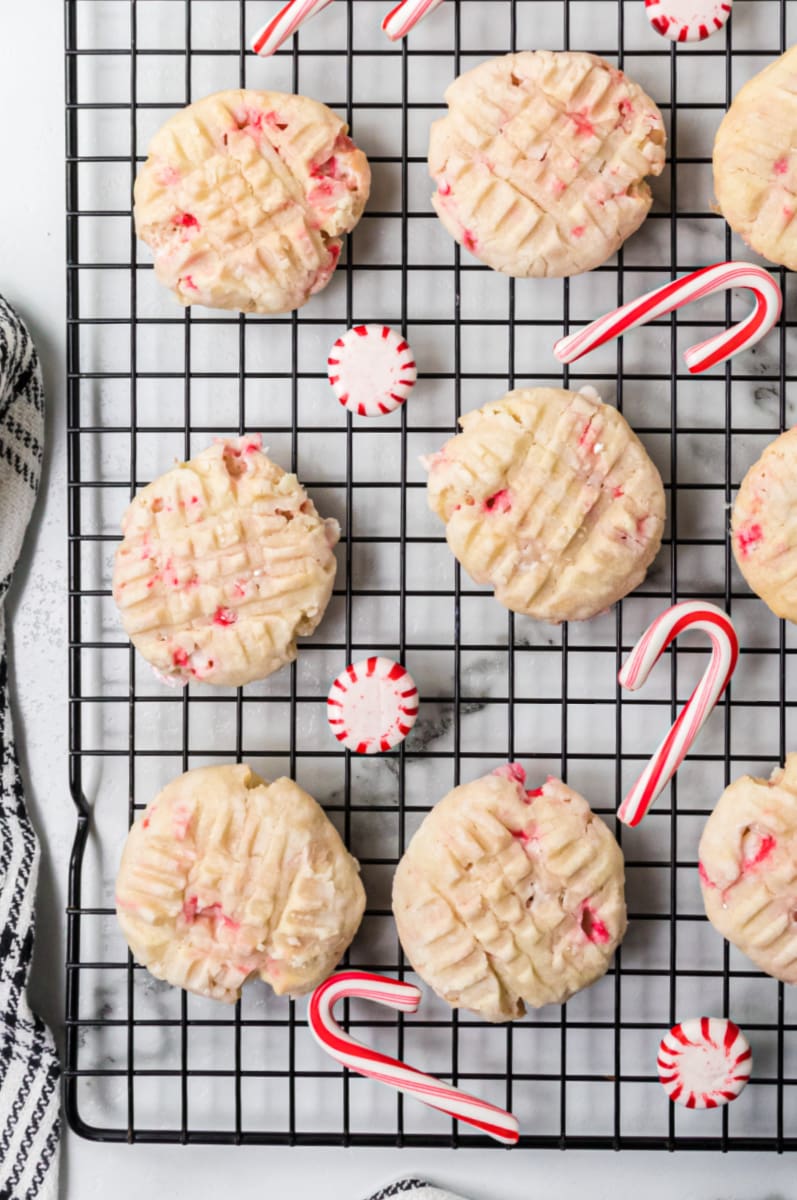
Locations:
(755, 162)
(225, 877)
(224, 562)
(748, 869)
(507, 897)
(540, 163)
(764, 530)
(550, 498)
(244, 198)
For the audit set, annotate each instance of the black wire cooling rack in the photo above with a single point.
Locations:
(147, 382)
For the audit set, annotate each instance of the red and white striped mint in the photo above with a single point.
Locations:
(372, 705)
(688, 20)
(704, 1062)
(372, 370)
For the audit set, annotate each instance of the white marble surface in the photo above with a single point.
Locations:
(31, 276)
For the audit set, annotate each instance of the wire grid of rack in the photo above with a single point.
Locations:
(147, 383)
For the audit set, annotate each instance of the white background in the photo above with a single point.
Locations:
(32, 278)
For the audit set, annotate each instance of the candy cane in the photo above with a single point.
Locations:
(707, 281)
(400, 20)
(344, 1049)
(269, 39)
(646, 653)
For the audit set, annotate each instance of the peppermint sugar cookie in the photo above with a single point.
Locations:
(225, 877)
(245, 196)
(223, 564)
(764, 532)
(540, 163)
(549, 497)
(755, 162)
(507, 897)
(748, 869)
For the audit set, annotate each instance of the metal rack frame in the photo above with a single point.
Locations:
(568, 1077)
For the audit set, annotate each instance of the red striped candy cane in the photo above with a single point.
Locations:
(401, 19)
(269, 39)
(707, 281)
(344, 1049)
(646, 653)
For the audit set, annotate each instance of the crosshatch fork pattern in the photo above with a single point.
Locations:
(147, 383)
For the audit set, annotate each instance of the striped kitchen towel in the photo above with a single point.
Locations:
(29, 1094)
(416, 1189)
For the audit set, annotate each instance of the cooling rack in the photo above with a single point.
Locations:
(147, 383)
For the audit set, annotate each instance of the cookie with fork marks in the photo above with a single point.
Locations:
(224, 563)
(507, 896)
(541, 161)
(550, 498)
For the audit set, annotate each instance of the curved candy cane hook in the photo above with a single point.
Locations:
(646, 653)
(352, 1054)
(707, 281)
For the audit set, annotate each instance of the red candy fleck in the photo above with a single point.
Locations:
(188, 282)
(781, 166)
(748, 537)
(579, 231)
(589, 436)
(186, 221)
(512, 771)
(444, 187)
(469, 241)
(594, 929)
(704, 876)
(322, 191)
(250, 120)
(168, 176)
(532, 794)
(501, 502)
(617, 493)
(763, 851)
(273, 121)
(325, 170)
(520, 835)
(584, 127)
(225, 616)
(180, 657)
(192, 910)
(182, 820)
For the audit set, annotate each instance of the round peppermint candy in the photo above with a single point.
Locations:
(372, 705)
(688, 20)
(371, 370)
(704, 1062)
